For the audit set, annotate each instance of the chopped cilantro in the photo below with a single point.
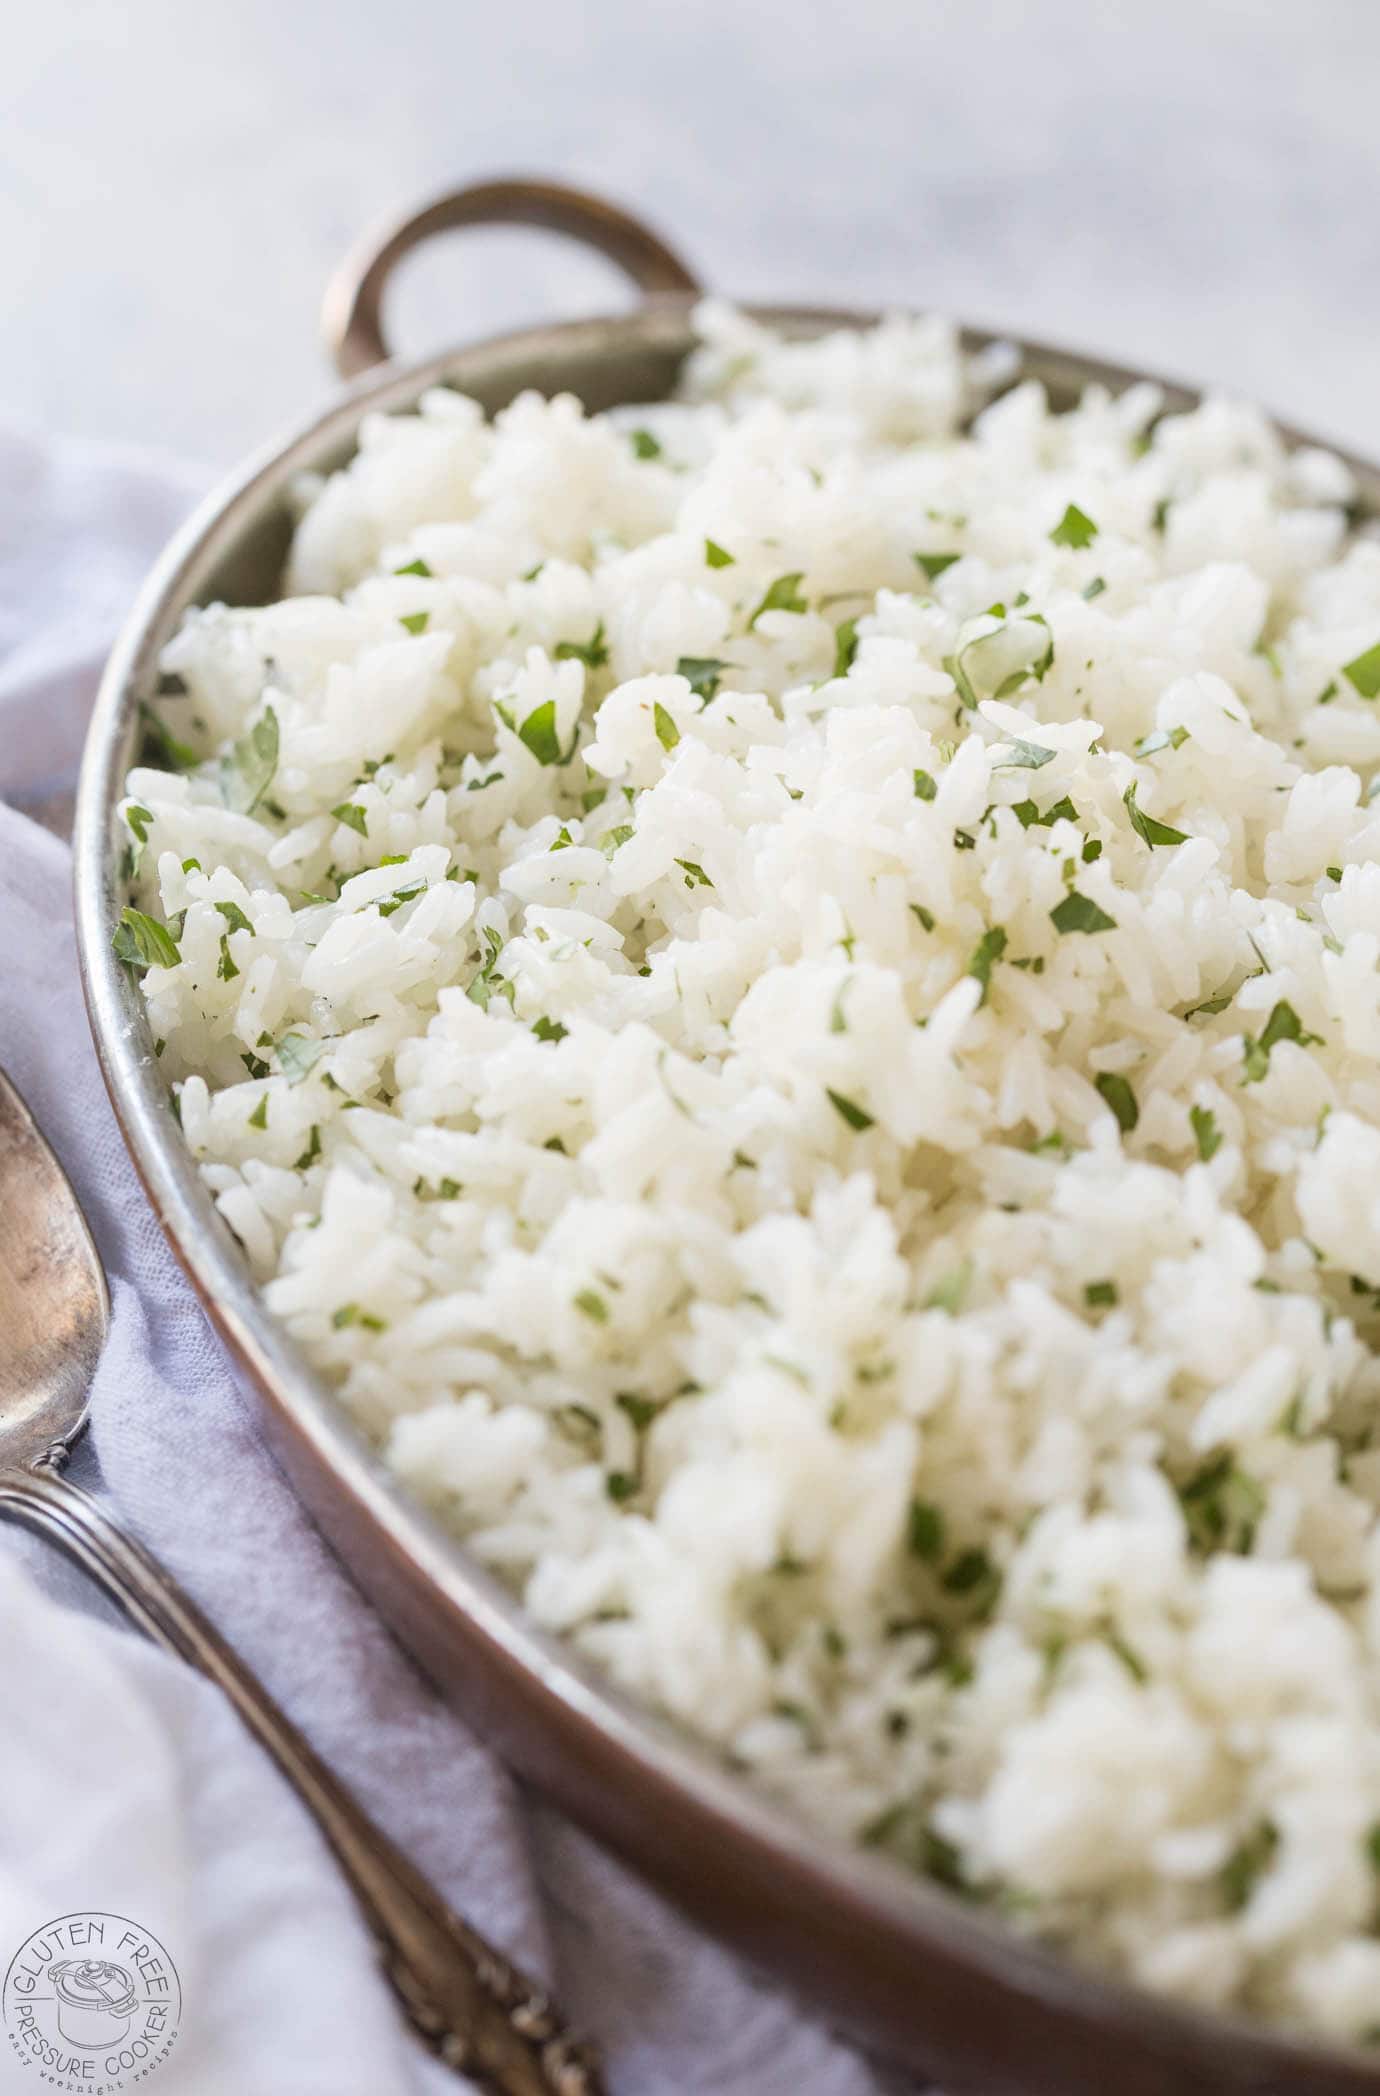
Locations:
(925, 1531)
(949, 1294)
(1283, 1024)
(1205, 1132)
(1094, 589)
(592, 1306)
(1117, 1094)
(1222, 1506)
(1160, 739)
(1079, 913)
(1029, 816)
(845, 646)
(1022, 756)
(716, 556)
(142, 942)
(592, 652)
(549, 1029)
(297, 1052)
(702, 674)
(160, 747)
(934, 564)
(781, 595)
(990, 947)
(1101, 1295)
(354, 818)
(1246, 1864)
(695, 876)
(414, 567)
(415, 621)
(667, 733)
(926, 916)
(235, 917)
(645, 445)
(1127, 1654)
(1073, 529)
(537, 733)
(1146, 827)
(973, 1574)
(226, 971)
(259, 1117)
(312, 1151)
(611, 839)
(848, 1111)
(620, 1486)
(1363, 672)
(245, 775)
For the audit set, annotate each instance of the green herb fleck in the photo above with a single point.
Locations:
(1022, 756)
(354, 818)
(934, 564)
(259, 1117)
(592, 1306)
(990, 947)
(644, 444)
(845, 646)
(848, 1111)
(1222, 1506)
(414, 567)
(142, 942)
(1247, 1864)
(695, 876)
(1363, 672)
(1118, 1095)
(667, 733)
(781, 595)
(592, 652)
(1101, 1295)
(415, 621)
(716, 556)
(702, 674)
(1205, 1132)
(925, 1531)
(925, 788)
(1074, 529)
(297, 1052)
(1283, 1024)
(245, 775)
(1146, 827)
(1079, 913)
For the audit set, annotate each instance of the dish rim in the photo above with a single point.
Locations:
(918, 1918)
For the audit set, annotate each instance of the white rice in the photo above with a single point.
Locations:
(873, 1235)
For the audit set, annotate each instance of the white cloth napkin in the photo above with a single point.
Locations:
(125, 1781)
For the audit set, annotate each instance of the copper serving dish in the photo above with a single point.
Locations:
(911, 1970)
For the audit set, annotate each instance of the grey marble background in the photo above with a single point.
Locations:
(1191, 184)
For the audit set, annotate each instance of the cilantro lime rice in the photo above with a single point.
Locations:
(783, 993)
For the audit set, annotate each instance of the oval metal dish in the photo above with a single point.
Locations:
(915, 1973)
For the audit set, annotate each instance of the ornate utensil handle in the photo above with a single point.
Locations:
(352, 316)
(470, 2005)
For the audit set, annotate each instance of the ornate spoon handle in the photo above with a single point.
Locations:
(478, 2012)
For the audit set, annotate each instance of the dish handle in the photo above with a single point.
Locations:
(352, 314)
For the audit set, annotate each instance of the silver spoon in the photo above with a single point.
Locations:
(468, 2003)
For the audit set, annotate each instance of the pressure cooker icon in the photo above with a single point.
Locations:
(95, 2001)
